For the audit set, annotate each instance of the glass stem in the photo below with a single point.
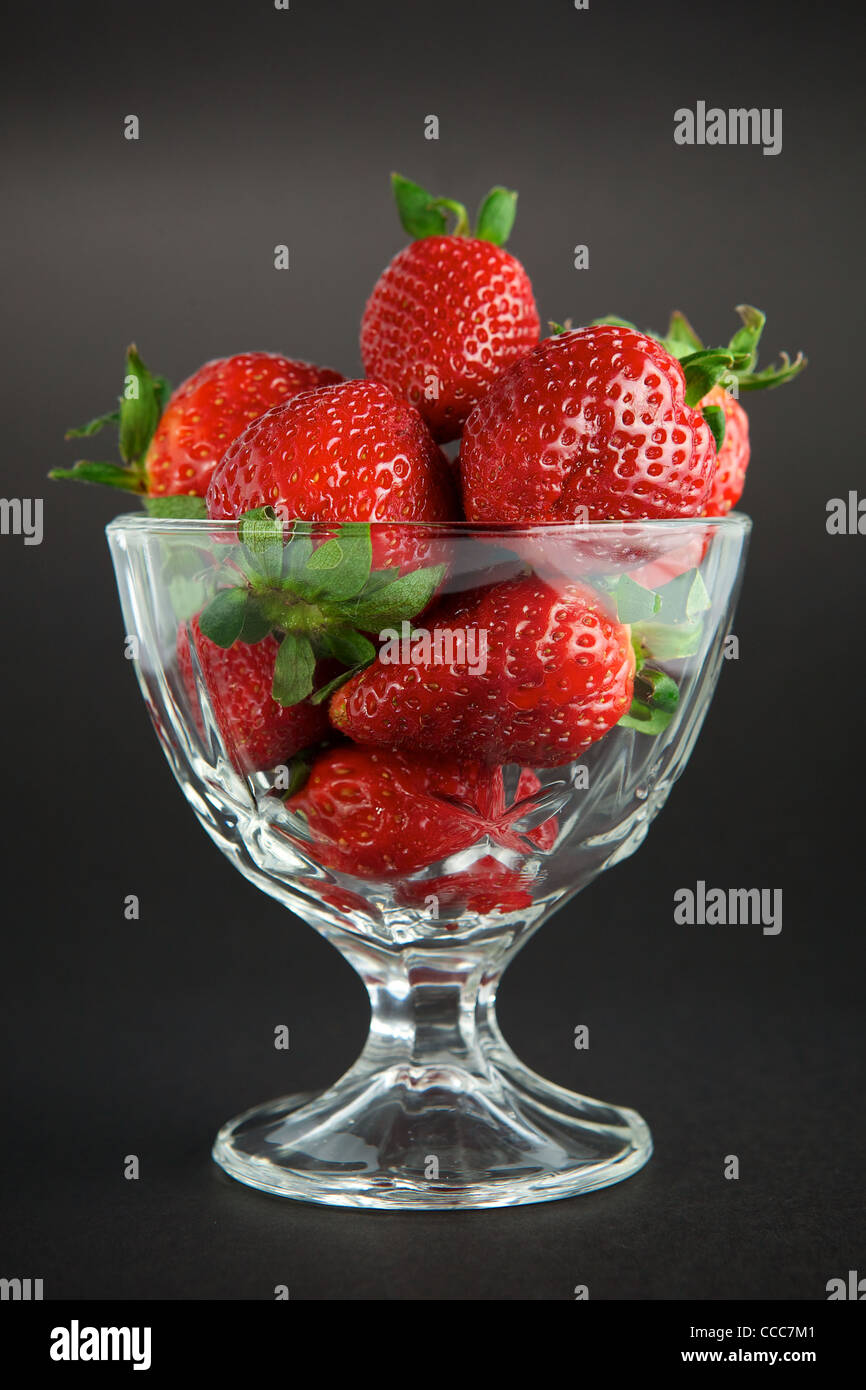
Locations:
(431, 1008)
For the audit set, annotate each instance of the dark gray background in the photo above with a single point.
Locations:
(260, 127)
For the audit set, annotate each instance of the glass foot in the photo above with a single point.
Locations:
(428, 1137)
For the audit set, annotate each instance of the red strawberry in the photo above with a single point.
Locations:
(380, 812)
(211, 408)
(726, 489)
(733, 457)
(487, 886)
(559, 674)
(376, 812)
(672, 563)
(257, 732)
(731, 422)
(352, 452)
(170, 448)
(591, 425)
(449, 313)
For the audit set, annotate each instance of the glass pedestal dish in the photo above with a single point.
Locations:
(438, 1112)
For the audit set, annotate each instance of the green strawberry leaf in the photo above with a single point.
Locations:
(773, 376)
(223, 619)
(293, 670)
(417, 209)
(634, 602)
(615, 322)
(189, 578)
(705, 366)
(402, 598)
(181, 506)
(138, 413)
(299, 548)
(715, 418)
(188, 560)
(186, 595)
(378, 579)
(664, 643)
(644, 719)
(326, 691)
(323, 600)
(260, 532)
(94, 426)
(681, 340)
(257, 624)
(745, 340)
(683, 599)
(299, 772)
(344, 644)
(703, 369)
(496, 216)
(108, 474)
(162, 391)
(340, 568)
(139, 409)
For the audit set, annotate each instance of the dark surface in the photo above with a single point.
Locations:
(261, 127)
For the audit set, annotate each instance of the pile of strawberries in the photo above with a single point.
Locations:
(396, 767)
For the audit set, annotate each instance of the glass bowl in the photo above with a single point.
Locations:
(535, 695)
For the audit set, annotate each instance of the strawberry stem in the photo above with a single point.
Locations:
(107, 474)
(461, 225)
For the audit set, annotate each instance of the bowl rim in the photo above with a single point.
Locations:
(144, 522)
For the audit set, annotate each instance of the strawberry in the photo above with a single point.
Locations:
(672, 563)
(382, 813)
(171, 448)
(211, 409)
(720, 405)
(487, 886)
(258, 732)
(558, 674)
(591, 425)
(733, 456)
(731, 425)
(352, 452)
(451, 312)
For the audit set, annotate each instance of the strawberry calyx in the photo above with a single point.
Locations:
(320, 600)
(424, 215)
(715, 418)
(733, 367)
(666, 625)
(682, 342)
(139, 408)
